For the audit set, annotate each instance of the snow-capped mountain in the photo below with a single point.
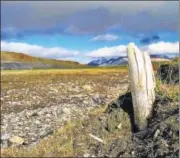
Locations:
(123, 60)
(110, 61)
(162, 57)
(98, 62)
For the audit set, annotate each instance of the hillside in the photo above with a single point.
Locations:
(12, 60)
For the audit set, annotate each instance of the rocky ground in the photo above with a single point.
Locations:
(33, 105)
(9, 65)
(16, 65)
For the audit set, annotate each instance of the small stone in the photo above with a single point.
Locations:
(48, 120)
(33, 144)
(33, 139)
(16, 140)
(164, 143)
(22, 134)
(87, 87)
(67, 111)
(27, 128)
(5, 136)
(4, 144)
(45, 133)
(20, 123)
(40, 113)
(4, 140)
(31, 113)
(133, 153)
(34, 114)
(96, 98)
(119, 126)
(85, 102)
(37, 122)
(48, 115)
(46, 126)
(156, 134)
(86, 155)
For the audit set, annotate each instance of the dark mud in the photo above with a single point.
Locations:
(160, 139)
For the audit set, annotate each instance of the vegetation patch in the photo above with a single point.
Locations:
(169, 73)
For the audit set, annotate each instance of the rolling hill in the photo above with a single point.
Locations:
(13, 60)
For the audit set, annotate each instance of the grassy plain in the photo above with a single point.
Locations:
(23, 88)
(29, 89)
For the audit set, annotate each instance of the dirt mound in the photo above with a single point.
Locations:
(160, 139)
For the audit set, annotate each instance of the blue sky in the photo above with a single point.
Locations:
(82, 31)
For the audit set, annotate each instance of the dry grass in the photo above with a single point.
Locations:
(62, 71)
(71, 140)
(170, 91)
(39, 88)
(32, 88)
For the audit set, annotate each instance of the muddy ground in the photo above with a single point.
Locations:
(160, 139)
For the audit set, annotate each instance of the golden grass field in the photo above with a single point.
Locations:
(22, 85)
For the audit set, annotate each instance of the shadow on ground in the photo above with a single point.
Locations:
(125, 102)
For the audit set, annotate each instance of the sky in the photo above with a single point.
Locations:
(83, 31)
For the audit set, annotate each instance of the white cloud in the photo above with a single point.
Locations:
(108, 51)
(120, 50)
(66, 54)
(163, 47)
(35, 50)
(106, 37)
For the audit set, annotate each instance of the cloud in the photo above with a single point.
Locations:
(148, 40)
(155, 37)
(106, 37)
(36, 50)
(120, 50)
(65, 54)
(93, 17)
(97, 20)
(162, 47)
(108, 51)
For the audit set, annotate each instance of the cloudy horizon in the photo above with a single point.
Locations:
(81, 31)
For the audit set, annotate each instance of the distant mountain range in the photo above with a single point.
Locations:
(12, 60)
(106, 62)
(123, 60)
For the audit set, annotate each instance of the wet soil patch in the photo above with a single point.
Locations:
(159, 139)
